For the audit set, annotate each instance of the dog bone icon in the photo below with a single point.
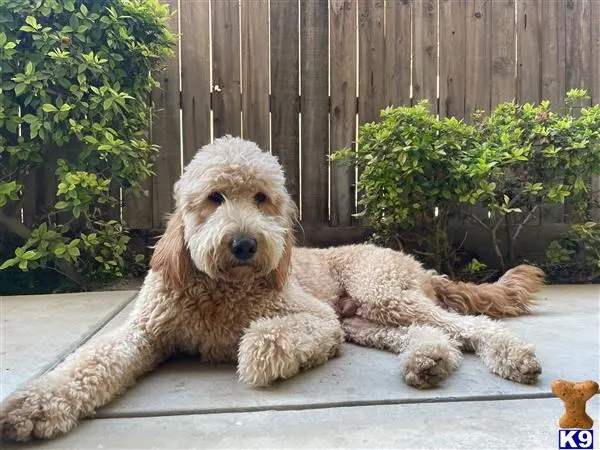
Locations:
(575, 395)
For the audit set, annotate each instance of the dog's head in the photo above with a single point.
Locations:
(233, 218)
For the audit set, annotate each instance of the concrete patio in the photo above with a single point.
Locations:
(357, 400)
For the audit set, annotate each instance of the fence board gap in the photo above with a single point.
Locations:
(285, 80)
(343, 105)
(529, 51)
(452, 58)
(397, 52)
(195, 75)
(425, 55)
(166, 132)
(226, 74)
(255, 71)
(478, 62)
(314, 17)
(504, 82)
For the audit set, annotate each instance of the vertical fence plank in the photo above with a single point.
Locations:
(595, 93)
(166, 133)
(371, 57)
(452, 58)
(255, 72)
(285, 83)
(529, 51)
(553, 53)
(478, 63)
(398, 52)
(595, 22)
(578, 44)
(195, 75)
(425, 57)
(503, 51)
(343, 105)
(226, 67)
(314, 17)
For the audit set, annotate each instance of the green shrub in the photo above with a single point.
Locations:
(418, 171)
(74, 112)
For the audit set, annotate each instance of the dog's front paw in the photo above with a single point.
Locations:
(517, 363)
(265, 355)
(31, 414)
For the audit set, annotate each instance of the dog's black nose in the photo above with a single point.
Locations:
(243, 247)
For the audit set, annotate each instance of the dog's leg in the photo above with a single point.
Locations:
(428, 355)
(306, 335)
(500, 350)
(52, 404)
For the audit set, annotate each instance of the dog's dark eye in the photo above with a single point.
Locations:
(260, 197)
(216, 197)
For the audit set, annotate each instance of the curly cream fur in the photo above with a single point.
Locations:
(285, 310)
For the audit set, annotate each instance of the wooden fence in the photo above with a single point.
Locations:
(298, 76)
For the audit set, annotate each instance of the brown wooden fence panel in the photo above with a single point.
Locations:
(255, 72)
(478, 62)
(314, 21)
(529, 51)
(285, 86)
(226, 68)
(578, 44)
(166, 133)
(343, 105)
(452, 58)
(371, 43)
(553, 53)
(195, 76)
(302, 62)
(398, 52)
(503, 34)
(425, 55)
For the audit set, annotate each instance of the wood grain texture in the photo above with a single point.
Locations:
(343, 105)
(425, 55)
(595, 24)
(398, 52)
(578, 44)
(371, 56)
(529, 34)
(553, 56)
(504, 83)
(478, 61)
(166, 133)
(195, 75)
(227, 105)
(314, 20)
(285, 85)
(452, 58)
(255, 72)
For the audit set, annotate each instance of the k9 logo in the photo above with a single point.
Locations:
(575, 439)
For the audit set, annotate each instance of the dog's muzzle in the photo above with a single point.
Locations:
(243, 247)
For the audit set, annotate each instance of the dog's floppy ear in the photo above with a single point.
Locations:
(171, 259)
(282, 271)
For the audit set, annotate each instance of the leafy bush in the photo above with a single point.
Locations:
(417, 172)
(76, 82)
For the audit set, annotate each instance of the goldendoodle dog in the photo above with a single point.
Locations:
(226, 283)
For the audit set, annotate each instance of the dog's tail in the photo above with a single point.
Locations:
(511, 295)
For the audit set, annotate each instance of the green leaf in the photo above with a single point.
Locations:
(30, 20)
(3, 39)
(29, 68)
(20, 88)
(48, 107)
(30, 118)
(8, 263)
(61, 205)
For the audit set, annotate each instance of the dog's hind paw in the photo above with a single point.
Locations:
(516, 363)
